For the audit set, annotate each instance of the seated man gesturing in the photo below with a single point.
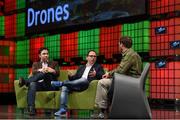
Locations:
(80, 81)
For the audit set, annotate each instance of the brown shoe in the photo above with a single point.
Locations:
(21, 82)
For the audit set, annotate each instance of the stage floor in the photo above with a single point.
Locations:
(12, 112)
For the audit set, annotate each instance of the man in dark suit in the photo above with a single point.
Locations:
(80, 81)
(43, 72)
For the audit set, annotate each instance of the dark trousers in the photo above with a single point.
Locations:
(35, 85)
(80, 84)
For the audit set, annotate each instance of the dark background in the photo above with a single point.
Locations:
(85, 12)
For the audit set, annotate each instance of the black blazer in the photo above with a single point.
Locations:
(99, 72)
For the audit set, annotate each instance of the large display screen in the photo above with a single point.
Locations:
(48, 15)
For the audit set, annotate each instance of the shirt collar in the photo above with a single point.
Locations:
(125, 52)
(45, 62)
(88, 65)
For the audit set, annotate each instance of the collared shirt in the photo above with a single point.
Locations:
(86, 71)
(130, 64)
(44, 65)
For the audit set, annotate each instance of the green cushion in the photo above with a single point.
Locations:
(57, 99)
(21, 95)
(84, 99)
(44, 99)
(64, 75)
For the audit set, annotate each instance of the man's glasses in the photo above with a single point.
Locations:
(92, 56)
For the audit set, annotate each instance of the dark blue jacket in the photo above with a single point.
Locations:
(98, 68)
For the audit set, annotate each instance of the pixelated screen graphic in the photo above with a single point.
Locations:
(45, 15)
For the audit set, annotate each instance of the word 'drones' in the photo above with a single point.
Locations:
(45, 16)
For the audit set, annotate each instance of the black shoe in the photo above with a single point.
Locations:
(21, 82)
(31, 110)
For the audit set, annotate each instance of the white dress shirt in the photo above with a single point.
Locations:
(86, 71)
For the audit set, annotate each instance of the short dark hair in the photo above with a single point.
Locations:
(126, 41)
(91, 51)
(41, 49)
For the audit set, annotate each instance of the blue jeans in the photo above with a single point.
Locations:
(68, 86)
